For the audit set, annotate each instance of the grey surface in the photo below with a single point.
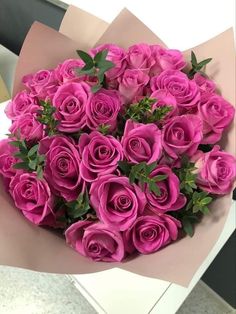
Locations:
(27, 292)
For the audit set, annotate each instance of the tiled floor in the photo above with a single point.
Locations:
(25, 292)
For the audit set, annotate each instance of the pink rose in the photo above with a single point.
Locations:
(103, 108)
(206, 86)
(7, 160)
(70, 101)
(29, 128)
(131, 84)
(96, 240)
(21, 104)
(182, 135)
(140, 57)
(216, 114)
(42, 84)
(166, 59)
(216, 171)
(62, 167)
(141, 142)
(33, 197)
(100, 155)
(150, 233)
(117, 55)
(164, 98)
(185, 91)
(116, 201)
(65, 72)
(170, 197)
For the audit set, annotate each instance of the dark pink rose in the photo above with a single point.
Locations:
(21, 104)
(150, 233)
(206, 86)
(62, 167)
(132, 83)
(185, 91)
(96, 240)
(100, 155)
(42, 84)
(164, 98)
(70, 101)
(141, 142)
(170, 197)
(140, 57)
(28, 127)
(182, 135)
(116, 201)
(66, 71)
(7, 159)
(217, 114)
(117, 55)
(103, 108)
(33, 197)
(166, 59)
(216, 171)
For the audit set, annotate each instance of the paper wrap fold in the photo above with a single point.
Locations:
(25, 245)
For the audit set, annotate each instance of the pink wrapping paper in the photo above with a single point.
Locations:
(25, 245)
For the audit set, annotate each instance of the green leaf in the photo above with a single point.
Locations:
(84, 71)
(154, 188)
(40, 172)
(20, 155)
(193, 59)
(106, 65)
(132, 177)
(206, 200)
(88, 60)
(100, 56)
(15, 143)
(196, 208)
(33, 150)
(187, 226)
(96, 88)
(104, 128)
(189, 205)
(205, 210)
(160, 177)
(151, 167)
(33, 164)
(203, 63)
(125, 167)
(21, 165)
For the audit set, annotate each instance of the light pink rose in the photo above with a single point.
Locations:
(28, 127)
(21, 104)
(33, 197)
(216, 171)
(103, 108)
(65, 72)
(140, 57)
(116, 201)
(42, 84)
(164, 98)
(96, 240)
(206, 86)
(62, 167)
(117, 55)
(141, 142)
(166, 59)
(185, 91)
(150, 233)
(100, 155)
(182, 135)
(170, 197)
(70, 101)
(131, 84)
(217, 114)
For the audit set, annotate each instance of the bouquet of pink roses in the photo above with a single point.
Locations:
(116, 149)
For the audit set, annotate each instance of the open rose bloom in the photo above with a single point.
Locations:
(129, 217)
